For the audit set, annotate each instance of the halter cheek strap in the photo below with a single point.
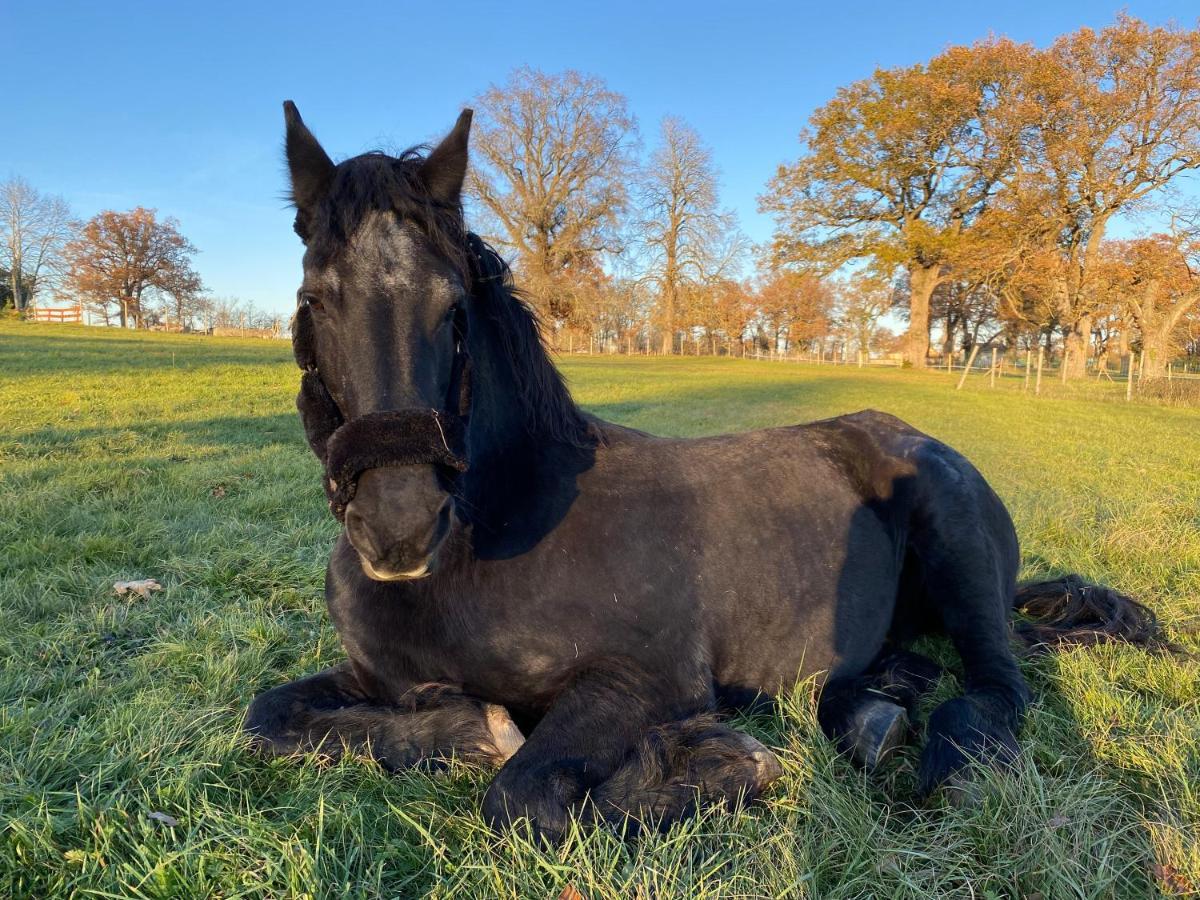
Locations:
(383, 439)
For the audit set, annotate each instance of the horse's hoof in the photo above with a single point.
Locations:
(880, 726)
(506, 736)
(766, 766)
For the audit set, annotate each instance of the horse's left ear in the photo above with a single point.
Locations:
(446, 168)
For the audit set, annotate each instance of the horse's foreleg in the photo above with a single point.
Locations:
(586, 736)
(603, 752)
(329, 713)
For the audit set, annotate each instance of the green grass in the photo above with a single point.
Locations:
(180, 458)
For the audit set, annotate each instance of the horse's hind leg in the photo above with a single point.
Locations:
(867, 717)
(330, 714)
(969, 559)
(679, 767)
(904, 676)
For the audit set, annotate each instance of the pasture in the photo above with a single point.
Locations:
(122, 773)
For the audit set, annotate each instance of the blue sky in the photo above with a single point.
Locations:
(176, 106)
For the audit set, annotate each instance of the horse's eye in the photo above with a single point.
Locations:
(312, 301)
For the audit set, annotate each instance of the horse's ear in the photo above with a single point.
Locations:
(446, 168)
(310, 167)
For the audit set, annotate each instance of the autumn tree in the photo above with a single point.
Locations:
(688, 240)
(899, 166)
(730, 307)
(34, 231)
(1119, 120)
(1155, 284)
(617, 312)
(130, 258)
(797, 306)
(552, 155)
(861, 301)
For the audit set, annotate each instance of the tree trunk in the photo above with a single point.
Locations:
(1156, 352)
(948, 337)
(1078, 347)
(14, 284)
(922, 280)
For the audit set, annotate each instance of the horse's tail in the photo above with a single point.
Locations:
(1069, 610)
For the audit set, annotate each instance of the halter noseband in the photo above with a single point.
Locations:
(376, 440)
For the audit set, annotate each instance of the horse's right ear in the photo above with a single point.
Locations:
(309, 165)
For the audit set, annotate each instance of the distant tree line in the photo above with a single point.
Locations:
(972, 194)
(990, 177)
(970, 198)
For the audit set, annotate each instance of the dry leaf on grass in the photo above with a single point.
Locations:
(169, 821)
(1171, 881)
(142, 588)
(571, 893)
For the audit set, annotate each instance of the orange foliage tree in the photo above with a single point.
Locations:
(898, 167)
(1154, 283)
(1118, 118)
(127, 258)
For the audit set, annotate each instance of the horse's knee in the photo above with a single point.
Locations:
(542, 795)
(269, 721)
(265, 714)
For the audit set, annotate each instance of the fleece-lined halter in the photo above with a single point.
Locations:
(401, 437)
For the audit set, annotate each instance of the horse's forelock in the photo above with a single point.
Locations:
(378, 182)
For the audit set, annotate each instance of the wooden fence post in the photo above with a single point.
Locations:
(992, 370)
(1028, 364)
(967, 367)
(1037, 388)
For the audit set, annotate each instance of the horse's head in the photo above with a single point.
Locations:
(384, 285)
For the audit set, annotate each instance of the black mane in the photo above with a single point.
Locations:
(549, 410)
(377, 182)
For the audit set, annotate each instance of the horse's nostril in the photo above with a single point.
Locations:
(360, 535)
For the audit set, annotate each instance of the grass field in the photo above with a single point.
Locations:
(181, 458)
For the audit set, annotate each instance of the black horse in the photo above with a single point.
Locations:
(524, 585)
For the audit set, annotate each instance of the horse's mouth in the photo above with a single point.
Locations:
(422, 571)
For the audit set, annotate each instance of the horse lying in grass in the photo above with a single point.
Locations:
(512, 566)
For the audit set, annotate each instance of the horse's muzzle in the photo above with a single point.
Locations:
(398, 520)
